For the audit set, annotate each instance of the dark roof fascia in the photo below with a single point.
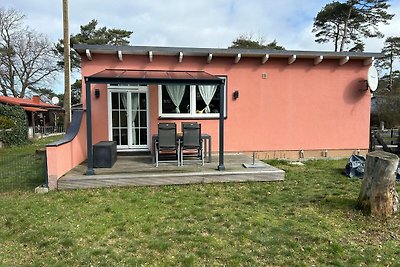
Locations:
(118, 80)
(191, 51)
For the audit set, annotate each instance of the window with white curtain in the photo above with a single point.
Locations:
(184, 101)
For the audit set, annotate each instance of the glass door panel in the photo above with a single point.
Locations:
(139, 119)
(119, 118)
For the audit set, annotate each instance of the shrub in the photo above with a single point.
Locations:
(6, 123)
(19, 133)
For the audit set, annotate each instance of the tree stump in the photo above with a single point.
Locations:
(378, 196)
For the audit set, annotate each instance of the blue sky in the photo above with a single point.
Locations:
(196, 23)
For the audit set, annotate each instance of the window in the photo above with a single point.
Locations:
(184, 101)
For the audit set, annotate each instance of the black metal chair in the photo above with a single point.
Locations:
(167, 143)
(192, 143)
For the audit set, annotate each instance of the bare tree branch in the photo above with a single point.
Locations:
(27, 58)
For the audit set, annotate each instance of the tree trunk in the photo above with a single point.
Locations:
(378, 196)
(346, 28)
(337, 37)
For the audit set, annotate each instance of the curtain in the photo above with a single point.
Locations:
(176, 93)
(207, 93)
(135, 104)
(123, 99)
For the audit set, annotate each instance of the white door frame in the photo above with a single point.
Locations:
(128, 89)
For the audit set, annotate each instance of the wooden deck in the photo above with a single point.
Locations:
(139, 171)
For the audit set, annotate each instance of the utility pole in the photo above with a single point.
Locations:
(67, 68)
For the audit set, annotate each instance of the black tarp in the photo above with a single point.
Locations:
(355, 167)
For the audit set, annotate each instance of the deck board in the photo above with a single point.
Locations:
(139, 171)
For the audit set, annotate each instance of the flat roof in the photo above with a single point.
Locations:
(219, 52)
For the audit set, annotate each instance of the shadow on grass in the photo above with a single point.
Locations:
(339, 203)
(339, 171)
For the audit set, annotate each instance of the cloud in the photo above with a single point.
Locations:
(205, 23)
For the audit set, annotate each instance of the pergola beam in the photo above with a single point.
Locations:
(107, 80)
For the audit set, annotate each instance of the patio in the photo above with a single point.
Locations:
(139, 171)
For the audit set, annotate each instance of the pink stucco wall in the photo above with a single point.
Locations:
(301, 106)
(61, 159)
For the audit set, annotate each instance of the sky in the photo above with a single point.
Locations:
(192, 23)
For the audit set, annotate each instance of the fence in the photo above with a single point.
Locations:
(49, 129)
(42, 131)
(21, 170)
(386, 139)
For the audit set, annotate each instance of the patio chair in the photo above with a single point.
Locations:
(167, 143)
(192, 144)
(184, 123)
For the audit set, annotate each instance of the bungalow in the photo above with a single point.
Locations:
(40, 115)
(278, 104)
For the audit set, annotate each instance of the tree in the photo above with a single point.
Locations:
(387, 102)
(387, 97)
(27, 59)
(76, 92)
(359, 47)
(91, 34)
(391, 51)
(274, 46)
(247, 42)
(349, 22)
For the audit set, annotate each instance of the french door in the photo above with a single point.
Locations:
(128, 118)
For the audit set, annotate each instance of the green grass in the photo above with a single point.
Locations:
(21, 168)
(307, 220)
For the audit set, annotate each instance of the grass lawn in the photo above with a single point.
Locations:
(307, 220)
(21, 168)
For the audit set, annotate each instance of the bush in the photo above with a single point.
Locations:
(6, 123)
(19, 133)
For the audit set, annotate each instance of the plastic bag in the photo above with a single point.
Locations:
(355, 166)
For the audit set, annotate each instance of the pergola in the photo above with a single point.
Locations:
(159, 77)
